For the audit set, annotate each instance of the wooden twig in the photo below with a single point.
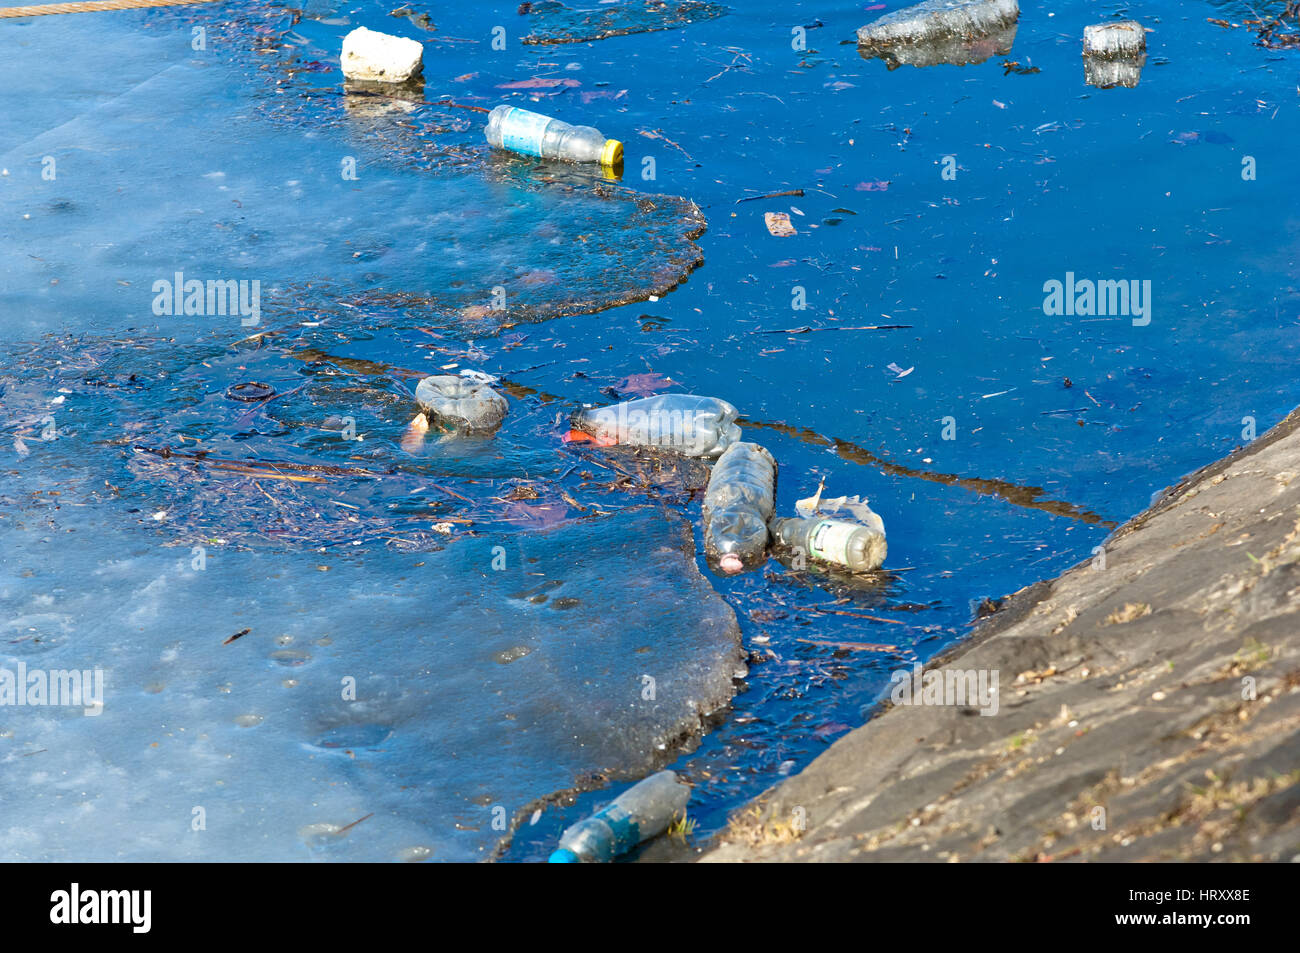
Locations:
(448, 102)
(267, 468)
(855, 615)
(658, 134)
(771, 195)
(855, 646)
(349, 827)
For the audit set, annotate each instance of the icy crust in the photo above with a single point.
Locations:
(391, 201)
(426, 697)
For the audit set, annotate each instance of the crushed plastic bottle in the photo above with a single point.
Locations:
(694, 426)
(466, 403)
(532, 134)
(1114, 54)
(1125, 38)
(641, 812)
(737, 505)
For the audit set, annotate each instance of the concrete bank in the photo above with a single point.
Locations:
(1149, 706)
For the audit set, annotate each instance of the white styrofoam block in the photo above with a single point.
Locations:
(378, 57)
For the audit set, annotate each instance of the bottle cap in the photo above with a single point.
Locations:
(612, 154)
(563, 856)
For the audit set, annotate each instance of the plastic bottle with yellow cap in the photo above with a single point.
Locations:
(532, 134)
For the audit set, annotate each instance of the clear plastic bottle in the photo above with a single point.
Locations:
(461, 402)
(532, 134)
(694, 426)
(641, 812)
(844, 543)
(737, 505)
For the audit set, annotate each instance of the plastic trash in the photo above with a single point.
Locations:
(375, 57)
(465, 403)
(1122, 38)
(1114, 54)
(641, 812)
(941, 32)
(844, 543)
(937, 19)
(694, 426)
(737, 506)
(844, 531)
(532, 134)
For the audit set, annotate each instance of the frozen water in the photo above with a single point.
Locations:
(477, 690)
(113, 191)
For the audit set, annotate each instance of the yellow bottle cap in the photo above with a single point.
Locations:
(612, 154)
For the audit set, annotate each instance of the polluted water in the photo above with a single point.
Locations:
(218, 319)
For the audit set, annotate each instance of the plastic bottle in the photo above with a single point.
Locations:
(694, 426)
(463, 402)
(532, 134)
(845, 543)
(641, 812)
(737, 505)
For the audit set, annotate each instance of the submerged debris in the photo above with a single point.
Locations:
(778, 224)
(557, 23)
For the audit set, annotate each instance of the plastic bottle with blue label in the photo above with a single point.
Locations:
(641, 812)
(532, 134)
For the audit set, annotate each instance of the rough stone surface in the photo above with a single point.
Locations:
(379, 58)
(1158, 695)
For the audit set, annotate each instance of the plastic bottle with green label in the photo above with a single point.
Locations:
(843, 543)
(532, 134)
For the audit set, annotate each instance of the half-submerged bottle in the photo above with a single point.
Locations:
(641, 812)
(845, 543)
(532, 134)
(691, 425)
(737, 505)
(463, 402)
